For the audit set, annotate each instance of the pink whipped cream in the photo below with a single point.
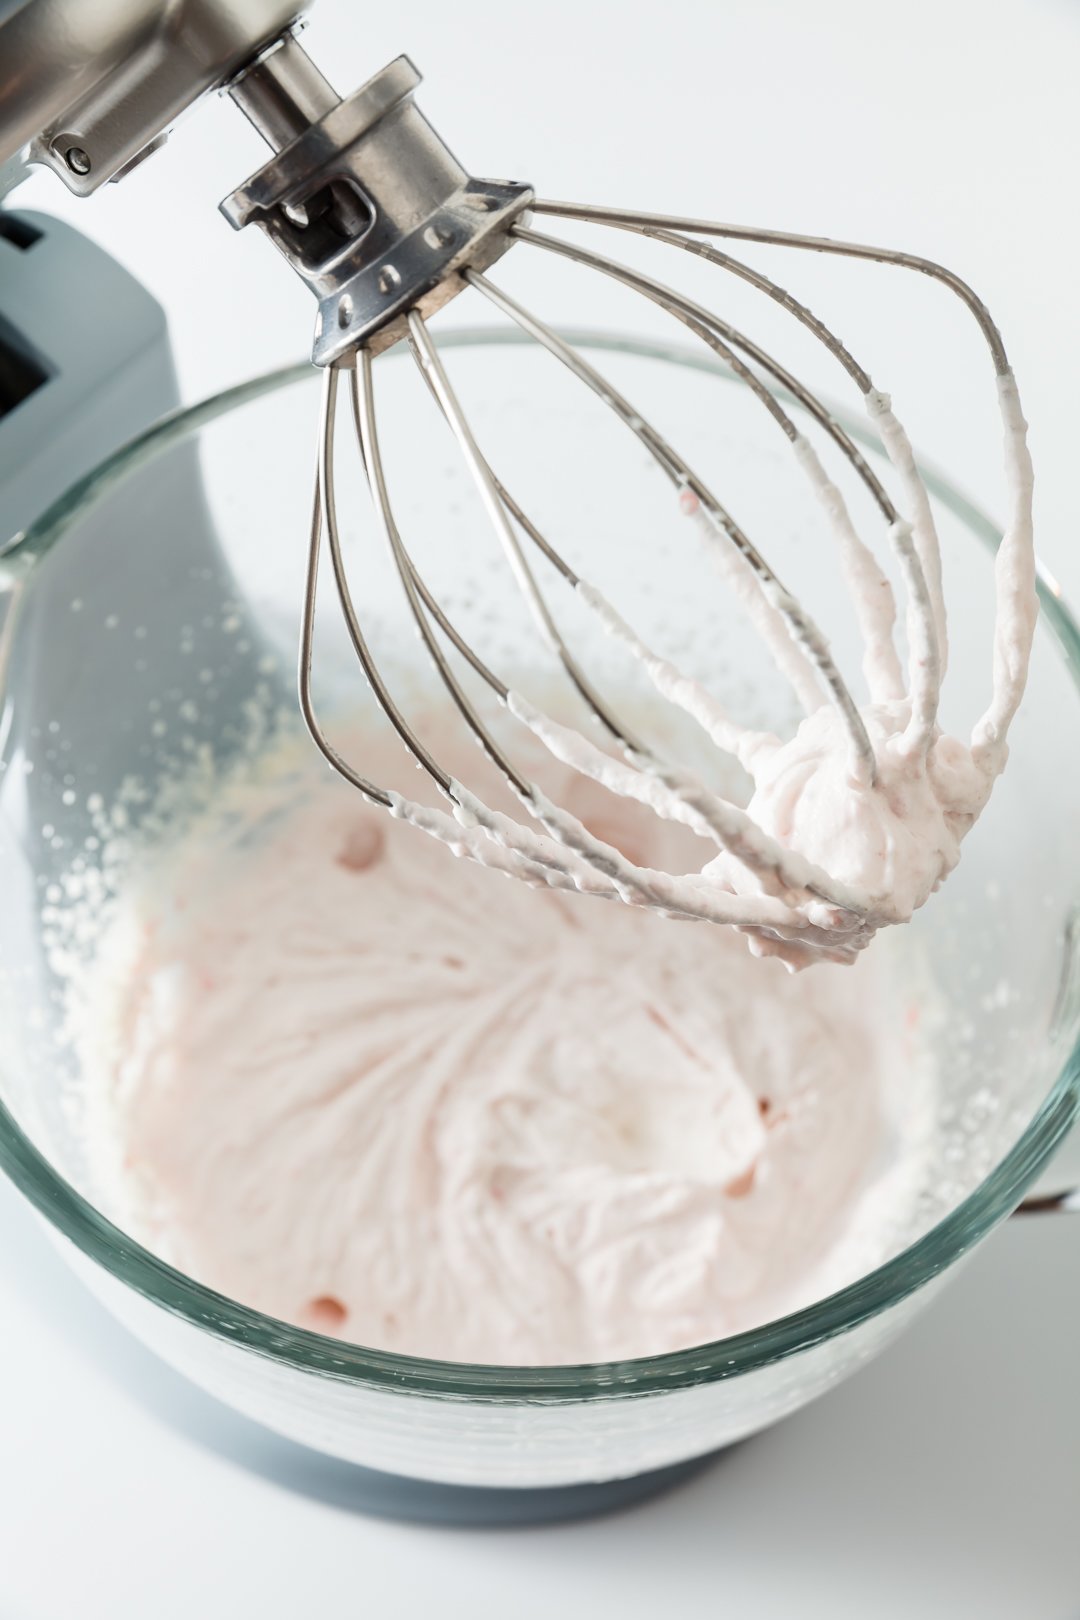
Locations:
(401, 1100)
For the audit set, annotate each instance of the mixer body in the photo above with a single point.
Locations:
(78, 379)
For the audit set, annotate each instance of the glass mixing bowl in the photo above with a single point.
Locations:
(149, 634)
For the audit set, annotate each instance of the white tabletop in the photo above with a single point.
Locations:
(942, 1480)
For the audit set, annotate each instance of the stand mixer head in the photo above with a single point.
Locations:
(380, 221)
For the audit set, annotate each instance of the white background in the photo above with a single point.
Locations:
(943, 1480)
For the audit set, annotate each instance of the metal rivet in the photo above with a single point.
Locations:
(77, 160)
(438, 236)
(389, 279)
(344, 310)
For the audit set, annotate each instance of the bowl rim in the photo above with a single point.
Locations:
(126, 1260)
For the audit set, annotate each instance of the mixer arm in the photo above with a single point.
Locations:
(91, 87)
(361, 196)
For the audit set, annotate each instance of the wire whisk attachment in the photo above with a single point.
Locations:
(851, 822)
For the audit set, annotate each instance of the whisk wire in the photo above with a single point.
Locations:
(928, 642)
(648, 222)
(370, 791)
(352, 620)
(372, 457)
(800, 627)
(434, 374)
(668, 230)
(871, 591)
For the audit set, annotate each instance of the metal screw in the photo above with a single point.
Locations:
(77, 160)
(388, 279)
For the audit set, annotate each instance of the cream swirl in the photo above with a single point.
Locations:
(390, 1096)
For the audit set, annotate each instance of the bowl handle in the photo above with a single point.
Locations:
(1057, 1192)
(1065, 1202)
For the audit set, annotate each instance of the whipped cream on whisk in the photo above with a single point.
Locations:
(854, 821)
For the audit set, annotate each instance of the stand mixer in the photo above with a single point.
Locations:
(384, 226)
(142, 548)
